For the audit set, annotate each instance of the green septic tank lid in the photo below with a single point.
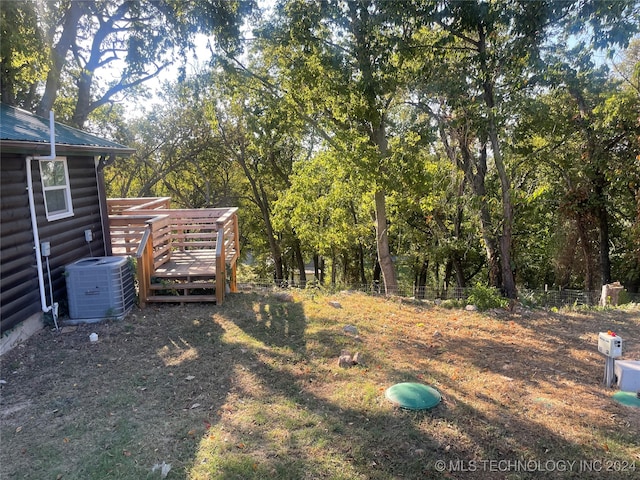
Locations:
(413, 396)
(630, 399)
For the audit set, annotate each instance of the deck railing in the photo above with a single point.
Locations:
(127, 231)
(144, 265)
(175, 229)
(115, 206)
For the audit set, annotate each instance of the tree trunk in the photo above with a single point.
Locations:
(278, 261)
(508, 281)
(360, 253)
(376, 276)
(285, 269)
(318, 268)
(297, 251)
(334, 260)
(84, 102)
(605, 261)
(81, 111)
(346, 277)
(448, 269)
(421, 278)
(363, 275)
(374, 123)
(595, 156)
(262, 201)
(379, 139)
(476, 177)
(601, 211)
(59, 56)
(382, 244)
(436, 277)
(457, 266)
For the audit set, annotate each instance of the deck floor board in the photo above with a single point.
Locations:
(189, 264)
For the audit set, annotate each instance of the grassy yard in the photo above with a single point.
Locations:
(253, 390)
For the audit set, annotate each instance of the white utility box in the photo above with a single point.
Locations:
(628, 373)
(610, 345)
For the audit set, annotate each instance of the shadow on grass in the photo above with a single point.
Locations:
(291, 424)
(143, 394)
(247, 391)
(270, 319)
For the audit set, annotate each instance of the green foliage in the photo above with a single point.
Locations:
(453, 303)
(23, 54)
(100, 52)
(335, 102)
(485, 297)
(324, 205)
(624, 297)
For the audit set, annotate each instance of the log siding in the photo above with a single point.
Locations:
(20, 297)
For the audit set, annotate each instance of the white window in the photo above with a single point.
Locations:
(56, 189)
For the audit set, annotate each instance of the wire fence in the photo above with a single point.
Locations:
(528, 297)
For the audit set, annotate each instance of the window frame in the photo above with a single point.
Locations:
(66, 188)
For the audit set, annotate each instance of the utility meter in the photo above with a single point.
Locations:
(610, 344)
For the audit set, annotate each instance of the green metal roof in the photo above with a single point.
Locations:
(22, 131)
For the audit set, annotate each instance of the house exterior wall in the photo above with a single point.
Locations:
(19, 290)
(19, 295)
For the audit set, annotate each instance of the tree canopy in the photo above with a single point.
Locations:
(97, 52)
(405, 144)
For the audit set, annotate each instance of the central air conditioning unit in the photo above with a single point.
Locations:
(99, 288)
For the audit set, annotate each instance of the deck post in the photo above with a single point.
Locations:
(220, 266)
(236, 243)
(144, 257)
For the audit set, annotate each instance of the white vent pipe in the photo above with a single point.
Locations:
(53, 308)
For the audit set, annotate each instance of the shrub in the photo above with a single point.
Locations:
(453, 303)
(485, 297)
(624, 298)
(531, 299)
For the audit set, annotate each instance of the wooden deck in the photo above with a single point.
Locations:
(189, 264)
(182, 254)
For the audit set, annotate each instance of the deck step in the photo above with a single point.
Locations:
(185, 275)
(182, 298)
(181, 286)
(188, 291)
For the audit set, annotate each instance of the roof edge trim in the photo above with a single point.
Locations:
(36, 148)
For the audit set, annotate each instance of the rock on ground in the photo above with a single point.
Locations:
(350, 329)
(346, 360)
